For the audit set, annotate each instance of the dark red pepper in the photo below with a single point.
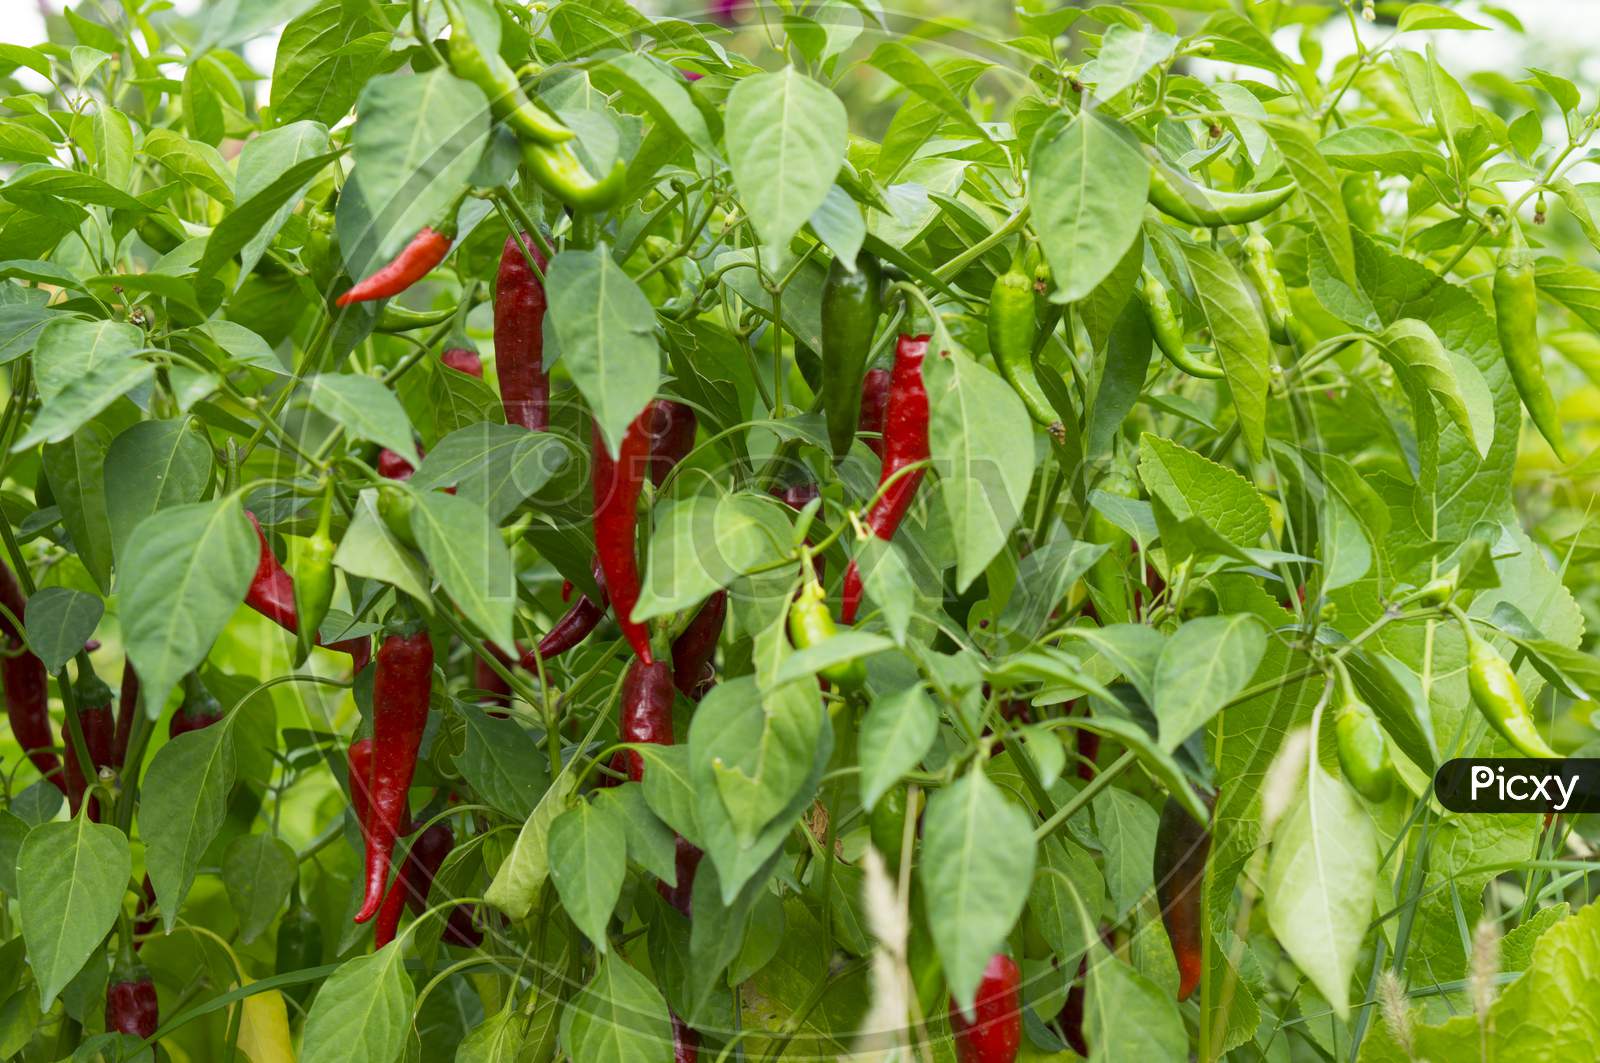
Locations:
(692, 650)
(144, 921)
(463, 361)
(496, 690)
(399, 714)
(131, 1005)
(99, 735)
(905, 442)
(459, 929)
(392, 466)
(645, 714)
(874, 399)
(415, 261)
(1071, 1016)
(359, 759)
(686, 859)
(415, 879)
(672, 429)
(995, 1034)
(617, 483)
(127, 703)
(271, 594)
(27, 686)
(796, 496)
(685, 1042)
(199, 709)
(519, 307)
(574, 626)
(1182, 846)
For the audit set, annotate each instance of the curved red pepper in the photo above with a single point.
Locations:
(131, 1005)
(359, 759)
(692, 650)
(271, 594)
(463, 361)
(414, 262)
(127, 702)
(672, 429)
(392, 466)
(496, 690)
(144, 922)
(519, 308)
(995, 1034)
(685, 1042)
(574, 626)
(686, 858)
(905, 442)
(1182, 846)
(617, 483)
(199, 709)
(99, 735)
(458, 928)
(399, 714)
(27, 686)
(411, 885)
(645, 714)
(874, 399)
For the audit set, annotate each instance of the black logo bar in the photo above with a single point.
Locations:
(1519, 785)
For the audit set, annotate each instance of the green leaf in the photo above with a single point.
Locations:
(1416, 353)
(76, 468)
(756, 748)
(82, 367)
(1203, 665)
(323, 59)
(604, 327)
(786, 140)
(1192, 485)
(701, 544)
(1126, 56)
(367, 410)
(526, 867)
(275, 168)
(650, 841)
(182, 806)
(257, 871)
(1067, 878)
(495, 465)
(897, 731)
(200, 166)
(502, 762)
(363, 1012)
(465, 551)
(588, 861)
(152, 465)
(1321, 881)
(1087, 192)
(60, 620)
(976, 870)
(660, 91)
(1126, 826)
(185, 571)
(369, 550)
(1239, 334)
(70, 881)
(1433, 17)
(619, 1017)
(911, 70)
(1127, 1016)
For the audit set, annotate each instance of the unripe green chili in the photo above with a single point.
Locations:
(1363, 748)
(399, 319)
(810, 624)
(1167, 330)
(1516, 318)
(1498, 695)
(886, 825)
(1175, 195)
(507, 101)
(1013, 329)
(1269, 285)
(313, 582)
(851, 303)
(560, 172)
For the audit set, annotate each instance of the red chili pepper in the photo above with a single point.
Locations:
(995, 1035)
(127, 701)
(1182, 846)
(143, 921)
(399, 714)
(392, 466)
(99, 734)
(199, 709)
(1071, 1016)
(574, 626)
(359, 759)
(874, 398)
(672, 429)
(496, 690)
(566, 590)
(463, 361)
(131, 1005)
(414, 262)
(905, 442)
(27, 686)
(271, 594)
(645, 714)
(685, 1042)
(458, 928)
(519, 307)
(686, 858)
(415, 879)
(617, 483)
(692, 650)
(798, 496)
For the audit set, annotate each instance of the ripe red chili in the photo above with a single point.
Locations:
(1182, 846)
(392, 466)
(995, 1034)
(99, 734)
(359, 759)
(411, 885)
(905, 442)
(271, 594)
(685, 1042)
(672, 428)
(399, 714)
(686, 858)
(496, 690)
(27, 686)
(519, 307)
(574, 626)
(458, 928)
(617, 483)
(463, 361)
(645, 714)
(692, 650)
(415, 261)
(874, 398)
(144, 921)
(127, 701)
(199, 710)
(1070, 1018)
(131, 1005)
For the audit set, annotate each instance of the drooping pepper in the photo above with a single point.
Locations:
(1176, 196)
(395, 318)
(905, 443)
(811, 624)
(1269, 285)
(131, 1005)
(1516, 319)
(463, 361)
(672, 429)
(127, 705)
(27, 686)
(313, 582)
(686, 861)
(645, 712)
(459, 929)
(617, 483)
(271, 594)
(560, 172)
(199, 709)
(519, 309)
(415, 879)
(1167, 330)
(1182, 846)
(145, 919)
(995, 1033)
(507, 101)
(1013, 330)
(575, 625)
(359, 759)
(415, 261)
(496, 690)
(886, 826)
(399, 714)
(874, 400)
(693, 648)
(851, 302)
(1498, 695)
(1363, 748)
(99, 736)
(685, 1042)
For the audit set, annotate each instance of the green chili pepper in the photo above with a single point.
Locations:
(507, 101)
(851, 303)
(1269, 285)
(1498, 695)
(810, 624)
(1516, 311)
(1177, 196)
(1363, 748)
(887, 826)
(560, 172)
(313, 580)
(1167, 330)
(1013, 328)
(399, 319)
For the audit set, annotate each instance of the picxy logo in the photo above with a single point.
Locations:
(1519, 785)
